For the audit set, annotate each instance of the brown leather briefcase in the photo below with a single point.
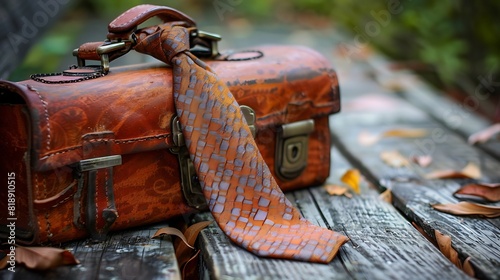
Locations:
(94, 148)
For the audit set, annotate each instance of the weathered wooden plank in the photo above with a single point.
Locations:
(383, 244)
(130, 254)
(475, 237)
(458, 117)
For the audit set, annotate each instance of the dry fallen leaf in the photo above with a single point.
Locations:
(42, 258)
(405, 133)
(489, 192)
(352, 178)
(469, 208)
(471, 171)
(386, 196)
(338, 190)
(172, 231)
(423, 161)
(444, 245)
(484, 135)
(368, 139)
(184, 250)
(394, 159)
(467, 267)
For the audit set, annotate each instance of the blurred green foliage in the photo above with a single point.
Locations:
(455, 41)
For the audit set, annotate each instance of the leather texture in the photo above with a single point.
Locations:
(129, 113)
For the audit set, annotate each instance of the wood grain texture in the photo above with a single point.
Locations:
(383, 244)
(471, 236)
(130, 254)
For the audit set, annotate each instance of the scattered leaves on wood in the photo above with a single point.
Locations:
(471, 171)
(337, 190)
(468, 208)
(352, 178)
(42, 258)
(489, 192)
(484, 135)
(423, 161)
(386, 196)
(367, 139)
(394, 159)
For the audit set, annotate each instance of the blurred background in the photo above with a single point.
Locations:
(453, 45)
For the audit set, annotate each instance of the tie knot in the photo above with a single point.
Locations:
(163, 42)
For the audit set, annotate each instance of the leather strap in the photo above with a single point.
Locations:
(125, 24)
(242, 195)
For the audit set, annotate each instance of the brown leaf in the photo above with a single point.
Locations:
(422, 161)
(352, 178)
(471, 171)
(444, 245)
(467, 267)
(422, 231)
(185, 253)
(386, 196)
(469, 208)
(394, 159)
(338, 190)
(42, 258)
(484, 135)
(489, 192)
(172, 231)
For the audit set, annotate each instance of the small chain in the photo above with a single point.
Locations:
(40, 77)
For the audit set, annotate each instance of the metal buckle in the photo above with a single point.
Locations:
(204, 44)
(191, 188)
(104, 51)
(292, 146)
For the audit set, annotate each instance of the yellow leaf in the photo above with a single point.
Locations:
(352, 178)
(394, 159)
(405, 133)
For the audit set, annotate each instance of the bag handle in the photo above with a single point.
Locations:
(122, 27)
(122, 38)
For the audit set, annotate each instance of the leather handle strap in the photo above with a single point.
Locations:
(126, 23)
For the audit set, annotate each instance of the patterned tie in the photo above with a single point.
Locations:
(240, 190)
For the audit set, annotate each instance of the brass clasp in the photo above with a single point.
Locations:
(292, 146)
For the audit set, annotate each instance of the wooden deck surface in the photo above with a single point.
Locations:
(383, 242)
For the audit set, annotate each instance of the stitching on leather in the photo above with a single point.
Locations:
(96, 197)
(49, 233)
(103, 140)
(114, 22)
(46, 113)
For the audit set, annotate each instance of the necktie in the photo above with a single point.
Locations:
(240, 190)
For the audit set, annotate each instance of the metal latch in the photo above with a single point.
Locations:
(292, 146)
(190, 185)
(109, 214)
